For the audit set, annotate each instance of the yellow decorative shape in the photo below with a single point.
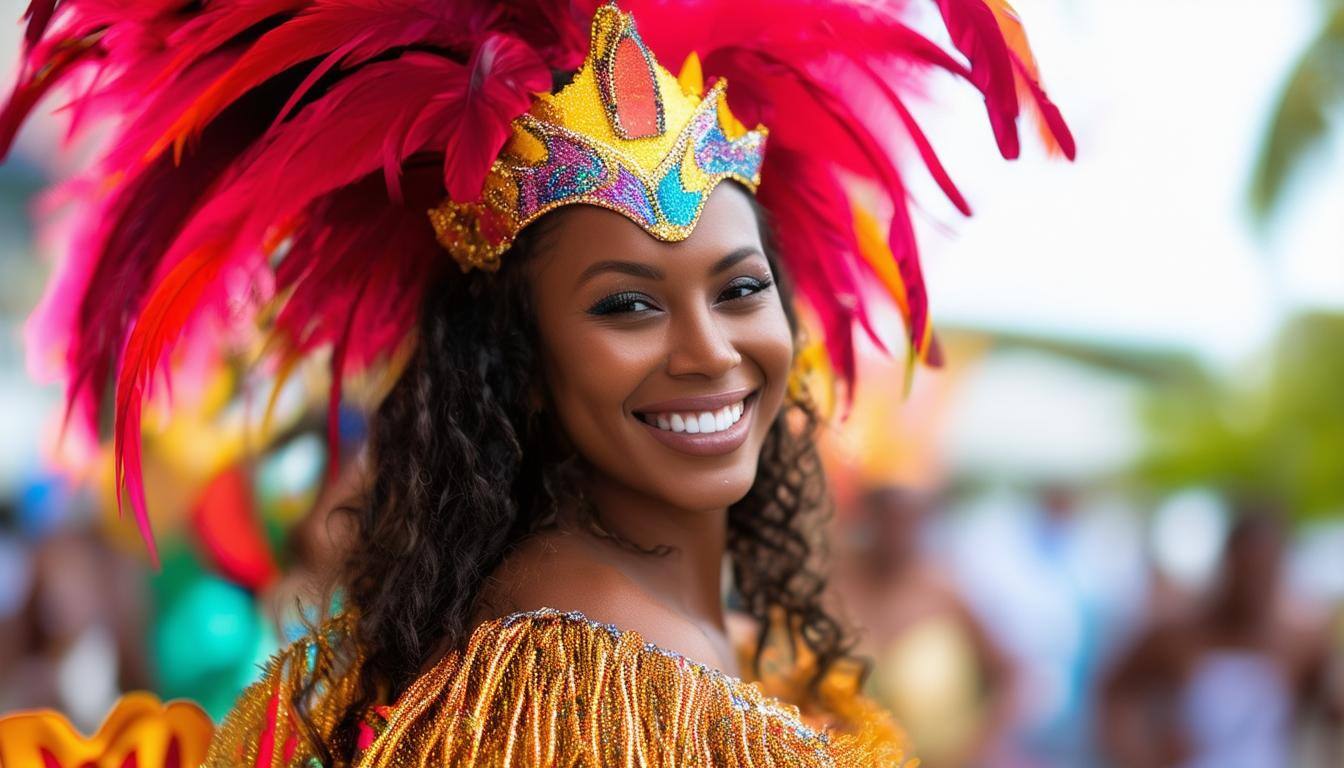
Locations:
(731, 126)
(139, 731)
(692, 77)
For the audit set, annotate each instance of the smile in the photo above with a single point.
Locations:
(704, 422)
(708, 426)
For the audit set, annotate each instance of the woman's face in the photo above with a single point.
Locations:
(666, 362)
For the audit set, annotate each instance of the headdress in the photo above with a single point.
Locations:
(275, 160)
(624, 135)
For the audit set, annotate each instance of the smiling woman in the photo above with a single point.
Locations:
(568, 257)
(598, 331)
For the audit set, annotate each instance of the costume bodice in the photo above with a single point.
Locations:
(543, 688)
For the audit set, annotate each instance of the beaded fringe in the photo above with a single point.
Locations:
(545, 688)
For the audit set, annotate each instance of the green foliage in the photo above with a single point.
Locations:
(1314, 92)
(1280, 438)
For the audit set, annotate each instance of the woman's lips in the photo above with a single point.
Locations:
(711, 432)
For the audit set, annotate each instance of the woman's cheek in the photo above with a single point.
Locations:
(770, 345)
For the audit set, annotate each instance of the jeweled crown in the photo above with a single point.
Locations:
(624, 134)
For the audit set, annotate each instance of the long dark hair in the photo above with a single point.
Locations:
(464, 466)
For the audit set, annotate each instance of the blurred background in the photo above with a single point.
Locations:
(1110, 531)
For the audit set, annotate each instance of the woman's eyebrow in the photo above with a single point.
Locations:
(738, 255)
(624, 267)
(637, 269)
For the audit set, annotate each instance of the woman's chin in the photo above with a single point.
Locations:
(709, 491)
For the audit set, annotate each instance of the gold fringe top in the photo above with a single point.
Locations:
(545, 688)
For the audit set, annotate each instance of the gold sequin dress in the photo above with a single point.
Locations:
(546, 688)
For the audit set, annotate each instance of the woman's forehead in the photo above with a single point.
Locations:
(578, 235)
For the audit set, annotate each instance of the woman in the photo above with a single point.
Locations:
(601, 406)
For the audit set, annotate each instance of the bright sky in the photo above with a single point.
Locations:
(1145, 239)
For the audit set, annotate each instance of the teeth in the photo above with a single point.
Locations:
(702, 422)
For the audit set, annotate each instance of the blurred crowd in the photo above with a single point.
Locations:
(1041, 630)
(1003, 629)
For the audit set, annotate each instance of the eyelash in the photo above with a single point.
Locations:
(623, 302)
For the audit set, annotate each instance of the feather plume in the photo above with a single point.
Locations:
(38, 17)
(1053, 130)
(290, 170)
(344, 32)
(257, 97)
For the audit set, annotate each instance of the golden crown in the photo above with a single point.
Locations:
(624, 134)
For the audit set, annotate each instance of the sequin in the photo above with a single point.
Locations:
(622, 135)
(679, 205)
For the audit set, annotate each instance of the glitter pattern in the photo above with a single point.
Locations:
(623, 136)
(544, 688)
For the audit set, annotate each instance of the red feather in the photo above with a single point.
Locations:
(975, 32)
(32, 87)
(38, 17)
(336, 299)
(472, 113)
(226, 524)
(91, 304)
(355, 30)
(395, 102)
(303, 115)
(173, 302)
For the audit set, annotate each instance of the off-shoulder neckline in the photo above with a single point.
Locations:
(769, 704)
(547, 612)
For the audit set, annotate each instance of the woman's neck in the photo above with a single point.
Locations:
(688, 576)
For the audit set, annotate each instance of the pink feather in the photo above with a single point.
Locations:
(356, 30)
(38, 16)
(472, 113)
(259, 96)
(976, 33)
(397, 101)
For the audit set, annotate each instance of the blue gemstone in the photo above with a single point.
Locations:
(679, 206)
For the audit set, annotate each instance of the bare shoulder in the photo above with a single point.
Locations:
(554, 570)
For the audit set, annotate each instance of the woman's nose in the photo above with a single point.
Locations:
(700, 346)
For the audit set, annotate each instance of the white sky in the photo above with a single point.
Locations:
(1146, 238)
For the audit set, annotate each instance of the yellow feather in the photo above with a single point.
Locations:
(692, 77)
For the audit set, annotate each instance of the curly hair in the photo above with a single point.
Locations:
(464, 468)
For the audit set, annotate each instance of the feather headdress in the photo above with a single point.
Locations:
(263, 153)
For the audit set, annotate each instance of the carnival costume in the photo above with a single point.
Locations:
(308, 166)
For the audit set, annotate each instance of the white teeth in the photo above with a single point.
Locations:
(703, 422)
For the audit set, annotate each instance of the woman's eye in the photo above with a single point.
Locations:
(622, 303)
(743, 287)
